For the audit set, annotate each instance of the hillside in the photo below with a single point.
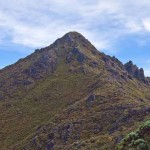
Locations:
(71, 96)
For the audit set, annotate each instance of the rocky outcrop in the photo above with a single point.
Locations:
(135, 72)
(112, 62)
(40, 68)
(115, 67)
(131, 68)
(126, 71)
(75, 54)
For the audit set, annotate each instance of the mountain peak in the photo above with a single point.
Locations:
(73, 34)
(71, 41)
(73, 38)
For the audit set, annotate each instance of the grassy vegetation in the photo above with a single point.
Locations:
(109, 115)
(60, 99)
(46, 99)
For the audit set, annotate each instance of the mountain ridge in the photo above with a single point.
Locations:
(68, 87)
(72, 37)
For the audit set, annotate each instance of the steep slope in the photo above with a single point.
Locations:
(70, 96)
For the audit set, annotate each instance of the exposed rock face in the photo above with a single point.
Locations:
(43, 66)
(135, 72)
(115, 67)
(126, 71)
(132, 69)
(75, 54)
(112, 62)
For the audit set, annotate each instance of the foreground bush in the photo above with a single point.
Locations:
(137, 140)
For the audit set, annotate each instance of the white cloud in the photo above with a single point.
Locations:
(146, 24)
(133, 27)
(38, 23)
(147, 72)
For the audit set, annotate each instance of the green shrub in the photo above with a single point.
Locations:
(136, 140)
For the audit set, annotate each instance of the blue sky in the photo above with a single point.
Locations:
(116, 27)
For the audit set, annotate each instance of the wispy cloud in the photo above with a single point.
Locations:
(38, 23)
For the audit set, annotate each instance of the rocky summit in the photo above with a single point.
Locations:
(70, 96)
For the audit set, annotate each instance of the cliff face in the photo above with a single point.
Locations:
(70, 96)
